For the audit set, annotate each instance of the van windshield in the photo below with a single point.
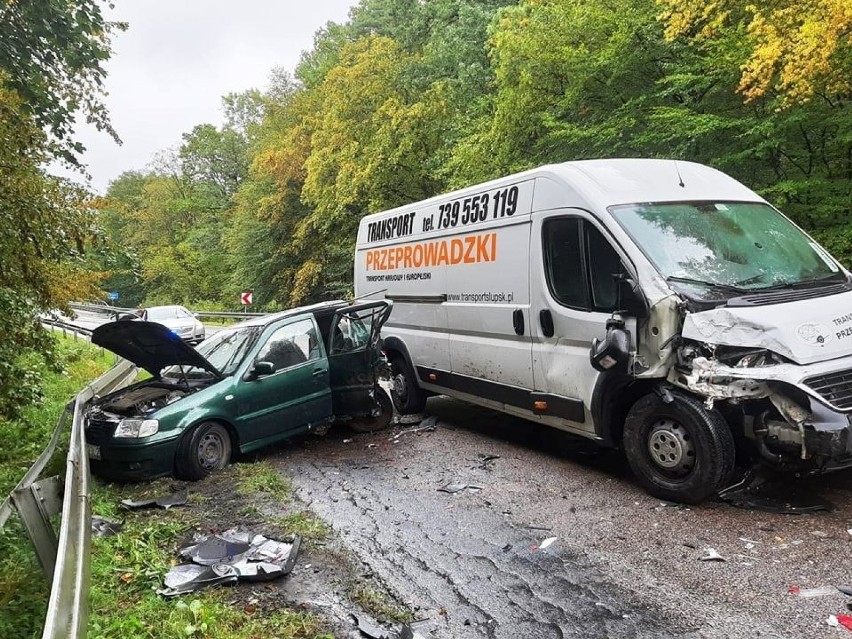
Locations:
(733, 247)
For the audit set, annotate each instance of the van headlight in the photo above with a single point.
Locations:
(135, 428)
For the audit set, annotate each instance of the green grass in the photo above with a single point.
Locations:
(305, 524)
(260, 477)
(378, 604)
(23, 587)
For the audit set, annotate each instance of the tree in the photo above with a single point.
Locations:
(52, 54)
(800, 48)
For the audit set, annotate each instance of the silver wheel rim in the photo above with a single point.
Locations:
(211, 451)
(400, 387)
(670, 447)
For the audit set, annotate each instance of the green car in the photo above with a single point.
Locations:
(247, 386)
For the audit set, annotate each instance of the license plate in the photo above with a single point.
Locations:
(93, 451)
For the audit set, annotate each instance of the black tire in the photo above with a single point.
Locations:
(202, 451)
(678, 451)
(408, 397)
(381, 418)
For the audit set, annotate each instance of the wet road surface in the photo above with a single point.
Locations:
(623, 563)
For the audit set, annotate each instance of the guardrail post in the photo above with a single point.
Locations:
(35, 504)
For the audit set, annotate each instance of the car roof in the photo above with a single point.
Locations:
(320, 309)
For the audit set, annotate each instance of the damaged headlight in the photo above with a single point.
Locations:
(135, 428)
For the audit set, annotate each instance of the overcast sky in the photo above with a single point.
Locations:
(170, 69)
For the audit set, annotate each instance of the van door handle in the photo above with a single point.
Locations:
(545, 318)
(518, 321)
(320, 371)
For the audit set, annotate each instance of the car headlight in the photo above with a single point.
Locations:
(135, 428)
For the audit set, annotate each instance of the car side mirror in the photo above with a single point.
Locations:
(613, 351)
(126, 316)
(260, 369)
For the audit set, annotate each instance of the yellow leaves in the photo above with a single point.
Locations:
(795, 47)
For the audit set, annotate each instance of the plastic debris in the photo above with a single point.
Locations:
(846, 590)
(546, 543)
(103, 527)
(484, 461)
(227, 557)
(710, 554)
(845, 621)
(428, 425)
(456, 487)
(167, 501)
(832, 621)
(764, 491)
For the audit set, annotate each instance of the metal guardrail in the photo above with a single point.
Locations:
(109, 310)
(65, 560)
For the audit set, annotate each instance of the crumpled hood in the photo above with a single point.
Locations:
(806, 331)
(149, 345)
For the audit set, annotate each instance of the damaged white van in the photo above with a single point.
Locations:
(655, 305)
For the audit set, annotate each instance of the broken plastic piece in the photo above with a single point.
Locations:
(710, 554)
(845, 621)
(454, 488)
(167, 501)
(103, 527)
(232, 553)
(191, 577)
(846, 590)
(546, 543)
(760, 490)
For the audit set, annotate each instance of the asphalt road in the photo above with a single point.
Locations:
(623, 564)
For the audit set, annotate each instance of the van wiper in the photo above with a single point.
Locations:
(716, 286)
(834, 278)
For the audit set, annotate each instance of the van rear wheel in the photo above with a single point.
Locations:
(679, 451)
(408, 397)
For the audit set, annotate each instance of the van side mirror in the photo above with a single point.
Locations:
(613, 351)
(630, 300)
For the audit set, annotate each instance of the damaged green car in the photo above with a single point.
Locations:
(247, 386)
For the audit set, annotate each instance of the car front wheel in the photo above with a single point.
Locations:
(204, 450)
(679, 450)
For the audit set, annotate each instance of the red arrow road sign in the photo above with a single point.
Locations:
(245, 298)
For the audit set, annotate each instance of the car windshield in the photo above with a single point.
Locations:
(732, 247)
(225, 350)
(160, 313)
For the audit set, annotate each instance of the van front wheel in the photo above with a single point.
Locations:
(408, 397)
(679, 451)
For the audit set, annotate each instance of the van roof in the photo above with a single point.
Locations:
(620, 181)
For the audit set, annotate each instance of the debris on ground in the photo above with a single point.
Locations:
(484, 461)
(846, 590)
(371, 628)
(761, 490)
(456, 487)
(103, 527)
(428, 425)
(167, 501)
(840, 620)
(545, 544)
(227, 557)
(710, 554)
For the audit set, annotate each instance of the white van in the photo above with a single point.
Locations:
(655, 305)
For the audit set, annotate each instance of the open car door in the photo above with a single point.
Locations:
(354, 357)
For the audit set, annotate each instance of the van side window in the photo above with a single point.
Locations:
(581, 266)
(563, 262)
(604, 268)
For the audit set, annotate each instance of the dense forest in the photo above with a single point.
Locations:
(411, 98)
(405, 100)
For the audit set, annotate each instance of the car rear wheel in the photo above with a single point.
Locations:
(204, 450)
(678, 450)
(408, 397)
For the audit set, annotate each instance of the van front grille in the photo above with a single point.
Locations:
(834, 388)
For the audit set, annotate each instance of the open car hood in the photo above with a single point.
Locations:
(149, 345)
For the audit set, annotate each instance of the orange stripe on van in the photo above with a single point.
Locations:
(470, 249)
